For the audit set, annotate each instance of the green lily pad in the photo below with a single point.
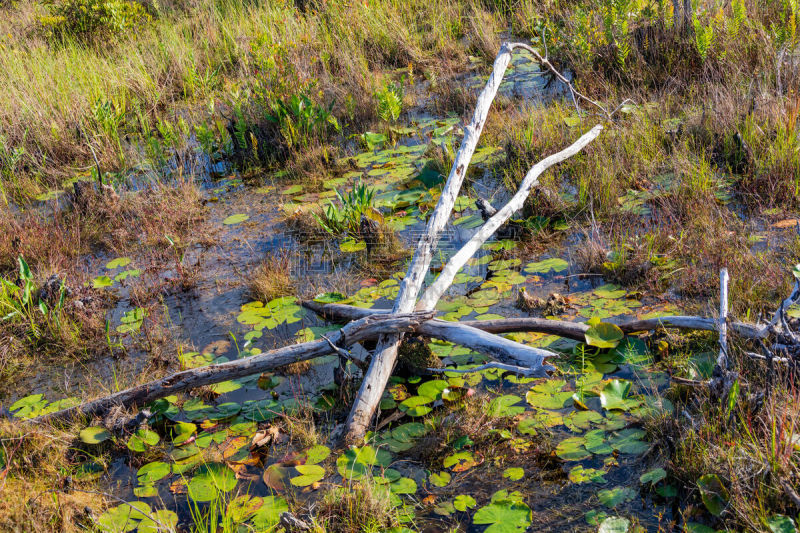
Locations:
(102, 281)
(94, 435)
(513, 473)
(141, 439)
(352, 245)
(462, 502)
(404, 485)
(308, 474)
(504, 406)
(573, 449)
(615, 396)
(118, 262)
(152, 472)
(579, 474)
(507, 513)
(440, 479)
(653, 476)
(617, 495)
(554, 264)
(604, 335)
(235, 219)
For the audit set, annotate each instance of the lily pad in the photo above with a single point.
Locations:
(615, 496)
(462, 502)
(94, 435)
(309, 474)
(513, 473)
(614, 524)
(235, 219)
(554, 264)
(604, 335)
(507, 513)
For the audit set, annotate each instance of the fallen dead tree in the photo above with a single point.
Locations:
(360, 330)
(562, 328)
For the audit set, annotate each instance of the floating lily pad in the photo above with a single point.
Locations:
(513, 473)
(94, 435)
(309, 474)
(579, 474)
(118, 262)
(604, 335)
(235, 219)
(462, 502)
(554, 264)
(440, 479)
(653, 476)
(507, 513)
(617, 495)
(503, 406)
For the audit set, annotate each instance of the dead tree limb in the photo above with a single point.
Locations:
(374, 382)
(368, 327)
(561, 328)
(445, 278)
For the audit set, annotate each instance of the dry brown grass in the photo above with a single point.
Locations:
(272, 278)
(36, 494)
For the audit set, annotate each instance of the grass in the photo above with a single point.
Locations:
(272, 279)
(40, 468)
(362, 507)
(130, 98)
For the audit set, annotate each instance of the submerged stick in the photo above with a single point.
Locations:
(368, 327)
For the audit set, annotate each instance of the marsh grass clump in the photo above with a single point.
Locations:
(93, 20)
(39, 467)
(747, 445)
(272, 278)
(362, 506)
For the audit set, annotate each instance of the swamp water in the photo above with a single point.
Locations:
(560, 454)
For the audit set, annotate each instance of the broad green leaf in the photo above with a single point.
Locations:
(554, 264)
(94, 435)
(503, 406)
(615, 496)
(513, 473)
(462, 502)
(235, 219)
(653, 476)
(308, 474)
(506, 513)
(604, 335)
(440, 479)
(579, 474)
(118, 262)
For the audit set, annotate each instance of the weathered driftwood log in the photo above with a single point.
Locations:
(561, 328)
(368, 327)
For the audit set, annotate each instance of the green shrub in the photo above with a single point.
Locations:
(92, 20)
